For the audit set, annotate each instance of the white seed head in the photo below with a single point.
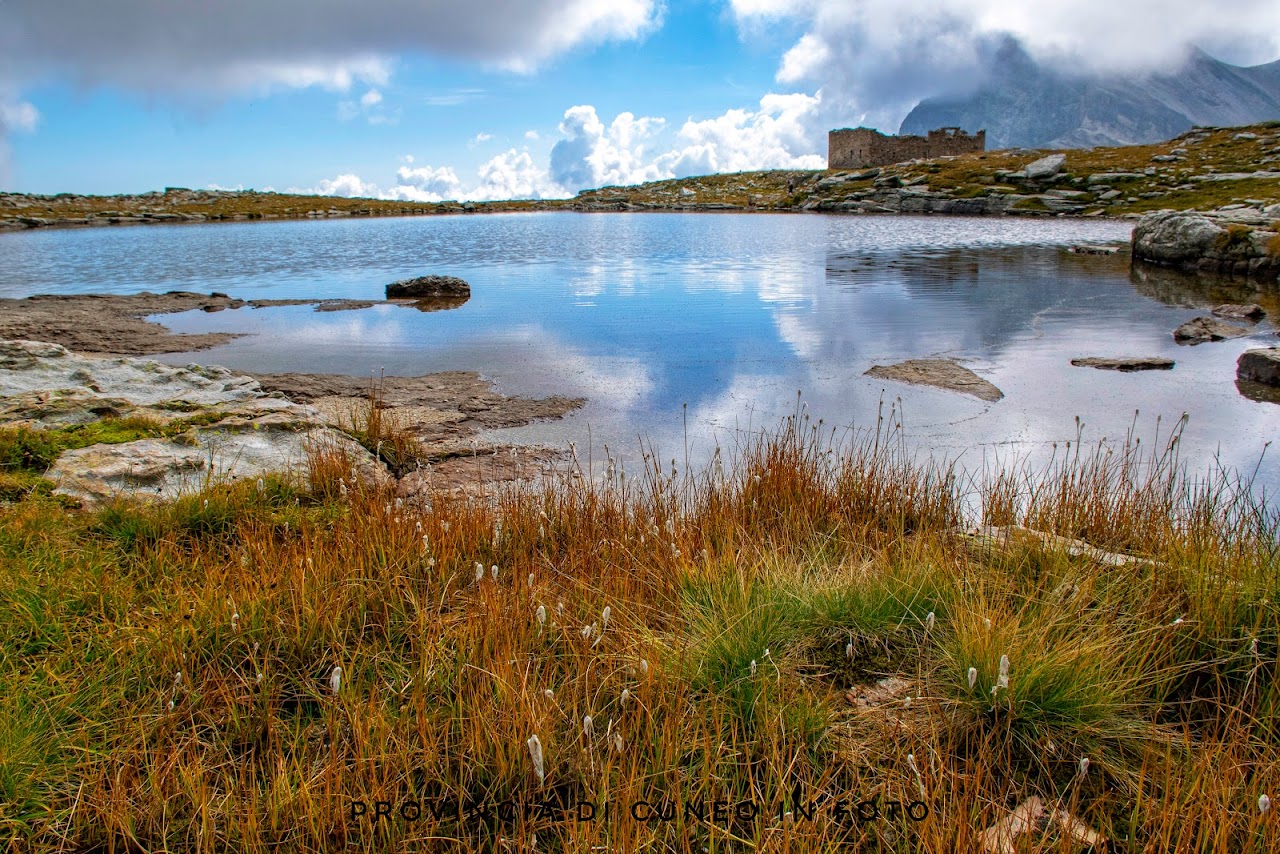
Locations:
(1084, 765)
(1003, 680)
(588, 726)
(493, 572)
(617, 742)
(177, 679)
(911, 763)
(929, 621)
(262, 487)
(1264, 804)
(644, 667)
(586, 631)
(479, 571)
(973, 677)
(848, 650)
(444, 526)
(753, 667)
(549, 694)
(335, 680)
(535, 753)
(604, 618)
(1253, 647)
(258, 679)
(531, 579)
(986, 621)
(170, 707)
(542, 615)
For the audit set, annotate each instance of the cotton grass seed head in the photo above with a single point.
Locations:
(535, 753)
(973, 677)
(604, 617)
(479, 571)
(542, 615)
(335, 680)
(493, 572)
(549, 694)
(1084, 766)
(644, 667)
(929, 621)
(753, 667)
(1264, 803)
(1003, 680)
(588, 726)
(626, 695)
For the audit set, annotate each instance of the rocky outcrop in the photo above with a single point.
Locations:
(1201, 330)
(939, 373)
(428, 286)
(1206, 241)
(1260, 366)
(1125, 363)
(241, 431)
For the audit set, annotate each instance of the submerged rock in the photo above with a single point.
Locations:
(1260, 366)
(939, 373)
(1125, 363)
(1251, 312)
(1198, 330)
(428, 286)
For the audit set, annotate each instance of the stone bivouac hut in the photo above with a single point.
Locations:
(857, 148)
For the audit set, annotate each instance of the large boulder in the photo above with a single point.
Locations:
(1045, 167)
(1260, 366)
(1251, 312)
(428, 286)
(1171, 237)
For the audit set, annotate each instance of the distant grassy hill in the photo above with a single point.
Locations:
(1204, 169)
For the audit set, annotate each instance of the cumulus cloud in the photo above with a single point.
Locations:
(874, 59)
(425, 184)
(590, 154)
(785, 133)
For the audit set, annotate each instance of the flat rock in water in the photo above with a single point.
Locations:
(1198, 330)
(1260, 366)
(1125, 363)
(939, 373)
(428, 286)
(1251, 312)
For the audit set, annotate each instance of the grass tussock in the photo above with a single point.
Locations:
(237, 669)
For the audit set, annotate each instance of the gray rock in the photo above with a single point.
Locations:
(1260, 366)
(1045, 167)
(1125, 363)
(428, 286)
(939, 373)
(253, 432)
(1251, 312)
(1170, 237)
(1202, 329)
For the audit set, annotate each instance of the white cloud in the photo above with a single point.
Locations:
(348, 185)
(514, 175)
(785, 133)
(531, 135)
(873, 60)
(18, 115)
(425, 184)
(591, 155)
(479, 138)
(371, 98)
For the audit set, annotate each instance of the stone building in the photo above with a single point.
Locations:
(856, 148)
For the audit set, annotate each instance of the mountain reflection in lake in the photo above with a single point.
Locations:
(730, 315)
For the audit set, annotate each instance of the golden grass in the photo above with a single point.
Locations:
(169, 668)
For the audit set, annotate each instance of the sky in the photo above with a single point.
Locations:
(427, 100)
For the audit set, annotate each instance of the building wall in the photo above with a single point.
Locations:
(861, 147)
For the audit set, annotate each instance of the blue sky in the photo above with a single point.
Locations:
(419, 99)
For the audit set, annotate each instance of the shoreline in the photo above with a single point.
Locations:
(1232, 171)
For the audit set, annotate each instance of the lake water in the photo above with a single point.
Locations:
(731, 315)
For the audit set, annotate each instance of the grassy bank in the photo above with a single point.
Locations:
(172, 671)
